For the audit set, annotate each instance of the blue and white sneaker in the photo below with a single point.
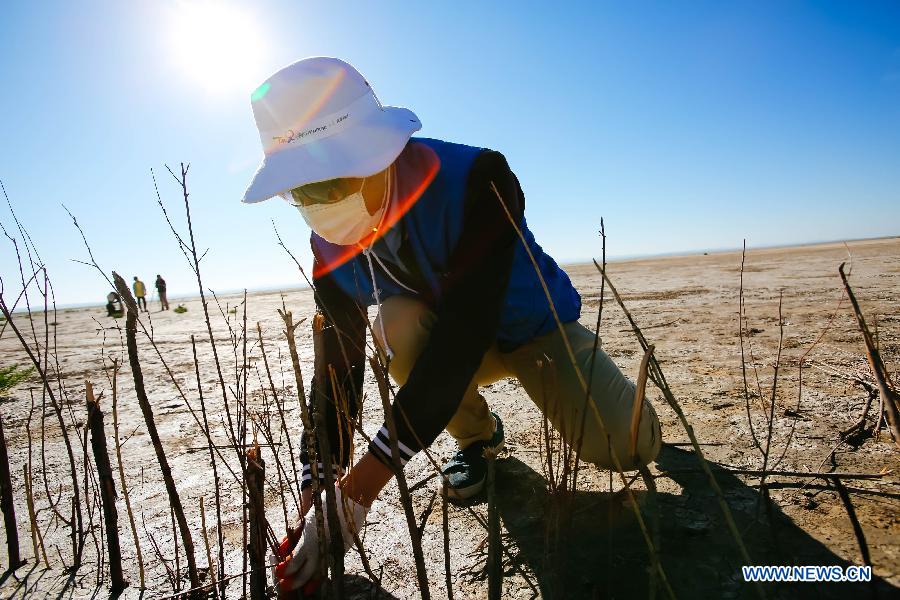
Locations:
(466, 472)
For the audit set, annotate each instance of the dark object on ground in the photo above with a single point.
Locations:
(114, 306)
(255, 476)
(107, 489)
(9, 509)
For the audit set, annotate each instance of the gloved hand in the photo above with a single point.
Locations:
(301, 565)
(294, 531)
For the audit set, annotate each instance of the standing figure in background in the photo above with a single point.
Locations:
(161, 288)
(140, 292)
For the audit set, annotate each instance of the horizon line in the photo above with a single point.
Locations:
(576, 262)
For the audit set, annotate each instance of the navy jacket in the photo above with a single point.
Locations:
(460, 253)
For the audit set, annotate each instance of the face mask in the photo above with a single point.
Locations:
(346, 221)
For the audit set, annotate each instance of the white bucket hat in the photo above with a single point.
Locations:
(318, 119)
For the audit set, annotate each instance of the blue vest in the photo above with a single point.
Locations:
(433, 226)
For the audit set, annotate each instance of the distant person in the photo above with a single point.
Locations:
(140, 291)
(113, 305)
(161, 290)
(424, 229)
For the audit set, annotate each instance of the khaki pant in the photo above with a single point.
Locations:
(554, 388)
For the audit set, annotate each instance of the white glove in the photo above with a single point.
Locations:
(303, 563)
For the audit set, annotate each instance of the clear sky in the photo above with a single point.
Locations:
(687, 125)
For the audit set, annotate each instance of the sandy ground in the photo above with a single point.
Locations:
(687, 307)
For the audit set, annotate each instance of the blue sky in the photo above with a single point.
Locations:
(685, 126)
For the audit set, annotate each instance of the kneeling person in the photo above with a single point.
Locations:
(423, 229)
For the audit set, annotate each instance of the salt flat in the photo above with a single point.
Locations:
(686, 305)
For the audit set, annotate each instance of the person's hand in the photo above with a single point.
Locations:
(284, 551)
(299, 566)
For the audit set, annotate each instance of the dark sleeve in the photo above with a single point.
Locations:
(343, 349)
(468, 314)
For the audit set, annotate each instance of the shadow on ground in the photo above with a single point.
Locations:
(605, 555)
(36, 582)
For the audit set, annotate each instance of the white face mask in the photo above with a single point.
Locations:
(346, 221)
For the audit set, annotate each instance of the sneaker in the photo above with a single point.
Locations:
(466, 472)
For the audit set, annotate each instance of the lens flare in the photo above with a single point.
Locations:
(260, 92)
(416, 180)
(328, 86)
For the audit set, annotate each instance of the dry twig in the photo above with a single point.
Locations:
(37, 541)
(256, 469)
(209, 559)
(147, 410)
(889, 398)
(405, 499)
(495, 550)
(336, 543)
(107, 488)
(571, 355)
(446, 528)
(8, 507)
(121, 465)
(656, 375)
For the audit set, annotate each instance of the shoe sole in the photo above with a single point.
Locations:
(474, 489)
